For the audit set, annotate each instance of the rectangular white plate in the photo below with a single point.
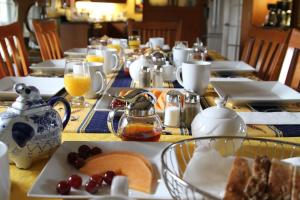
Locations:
(76, 52)
(42, 83)
(58, 169)
(256, 91)
(231, 66)
(50, 66)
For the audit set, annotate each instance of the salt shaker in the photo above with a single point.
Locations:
(173, 107)
(191, 107)
(144, 77)
(158, 80)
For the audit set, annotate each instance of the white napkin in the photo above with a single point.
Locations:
(271, 118)
(208, 171)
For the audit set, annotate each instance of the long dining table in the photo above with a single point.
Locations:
(87, 124)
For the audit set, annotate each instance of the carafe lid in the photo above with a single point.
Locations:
(29, 97)
(141, 107)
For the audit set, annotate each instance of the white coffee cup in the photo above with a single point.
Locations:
(111, 60)
(4, 173)
(157, 42)
(180, 55)
(98, 80)
(195, 76)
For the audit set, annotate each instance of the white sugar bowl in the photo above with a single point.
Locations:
(134, 68)
(218, 121)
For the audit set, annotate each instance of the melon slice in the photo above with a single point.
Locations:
(135, 166)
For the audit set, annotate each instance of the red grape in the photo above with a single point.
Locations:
(116, 103)
(91, 187)
(96, 150)
(79, 162)
(84, 151)
(63, 188)
(75, 181)
(72, 156)
(108, 177)
(97, 178)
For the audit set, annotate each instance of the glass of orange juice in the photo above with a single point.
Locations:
(95, 54)
(77, 81)
(114, 43)
(134, 41)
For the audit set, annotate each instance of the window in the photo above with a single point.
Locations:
(8, 12)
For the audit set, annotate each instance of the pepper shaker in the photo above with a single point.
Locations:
(144, 77)
(158, 81)
(191, 107)
(173, 107)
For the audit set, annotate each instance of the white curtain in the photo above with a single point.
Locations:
(8, 12)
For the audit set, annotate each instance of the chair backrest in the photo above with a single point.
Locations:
(265, 51)
(13, 55)
(290, 72)
(47, 36)
(170, 30)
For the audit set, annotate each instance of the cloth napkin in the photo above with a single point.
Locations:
(271, 118)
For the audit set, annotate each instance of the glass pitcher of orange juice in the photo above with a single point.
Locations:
(139, 121)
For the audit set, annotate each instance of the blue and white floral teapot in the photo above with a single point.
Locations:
(31, 127)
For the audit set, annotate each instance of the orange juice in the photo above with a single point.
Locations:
(94, 58)
(114, 46)
(77, 85)
(134, 44)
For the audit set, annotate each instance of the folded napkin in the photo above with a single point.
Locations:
(271, 118)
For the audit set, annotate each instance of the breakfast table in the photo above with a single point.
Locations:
(89, 125)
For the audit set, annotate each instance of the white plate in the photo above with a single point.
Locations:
(231, 66)
(7, 83)
(256, 91)
(50, 66)
(76, 52)
(212, 79)
(58, 169)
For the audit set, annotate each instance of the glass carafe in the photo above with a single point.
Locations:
(139, 121)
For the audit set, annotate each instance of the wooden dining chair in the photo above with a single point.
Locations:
(290, 71)
(170, 30)
(13, 55)
(47, 37)
(265, 50)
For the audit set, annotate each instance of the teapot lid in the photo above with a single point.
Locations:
(219, 111)
(29, 97)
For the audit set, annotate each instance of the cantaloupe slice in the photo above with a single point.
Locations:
(135, 166)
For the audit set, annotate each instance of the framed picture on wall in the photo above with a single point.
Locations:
(138, 6)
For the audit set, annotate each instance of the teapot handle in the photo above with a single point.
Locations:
(110, 121)
(67, 107)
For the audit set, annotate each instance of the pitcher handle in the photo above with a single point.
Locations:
(117, 63)
(103, 81)
(67, 107)
(110, 121)
(179, 69)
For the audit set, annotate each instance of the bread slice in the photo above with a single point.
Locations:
(296, 184)
(238, 177)
(280, 180)
(257, 185)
